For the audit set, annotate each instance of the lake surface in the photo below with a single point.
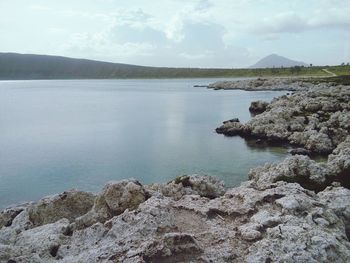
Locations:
(61, 134)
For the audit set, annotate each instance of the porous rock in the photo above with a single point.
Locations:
(246, 224)
(258, 107)
(316, 119)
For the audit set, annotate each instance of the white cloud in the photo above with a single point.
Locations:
(177, 32)
(292, 22)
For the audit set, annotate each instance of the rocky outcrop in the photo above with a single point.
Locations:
(290, 84)
(308, 173)
(69, 205)
(316, 120)
(208, 186)
(270, 218)
(114, 199)
(231, 128)
(257, 107)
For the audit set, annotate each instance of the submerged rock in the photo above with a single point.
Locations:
(299, 151)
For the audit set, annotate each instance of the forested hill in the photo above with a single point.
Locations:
(25, 66)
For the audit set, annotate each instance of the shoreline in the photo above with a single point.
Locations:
(296, 83)
(297, 205)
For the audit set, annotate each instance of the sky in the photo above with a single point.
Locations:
(179, 33)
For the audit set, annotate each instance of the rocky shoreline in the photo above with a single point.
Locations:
(297, 210)
(276, 84)
(317, 119)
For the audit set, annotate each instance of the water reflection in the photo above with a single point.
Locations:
(57, 135)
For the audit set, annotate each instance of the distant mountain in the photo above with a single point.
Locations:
(28, 66)
(277, 61)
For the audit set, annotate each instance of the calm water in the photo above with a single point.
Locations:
(57, 135)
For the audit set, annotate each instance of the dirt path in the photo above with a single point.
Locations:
(329, 72)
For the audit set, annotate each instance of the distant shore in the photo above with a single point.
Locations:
(277, 84)
(28, 66)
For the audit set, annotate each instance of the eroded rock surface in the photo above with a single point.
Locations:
(197, 221)
(257, 107)
(317, 120)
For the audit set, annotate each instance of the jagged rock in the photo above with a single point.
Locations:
(246, 224)
(250, 231)
(115, 198)
(339, 163)
(299, 169)
(7, 215)
(206, 186)
(299, 151)
(266, 219)
(231, 128)
(70, 205)
(316, 119)
(319, 143)
(173, 246)
(232, 120)
(258, 107)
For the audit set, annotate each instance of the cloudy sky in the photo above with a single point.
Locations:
(185, 33)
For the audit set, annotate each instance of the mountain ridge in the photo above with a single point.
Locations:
(16, 66)
(277, 61)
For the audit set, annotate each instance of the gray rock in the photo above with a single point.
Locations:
(283, 222)
(231, 128)
(7, 215)
(288, 84)
(315, 119)
(299, 151)
(296, 169)
(115, 198)
(70, 205)
(205, 186)
(258, 107)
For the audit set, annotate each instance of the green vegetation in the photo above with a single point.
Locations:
(340, 70)
(342, 79)
(18, 66)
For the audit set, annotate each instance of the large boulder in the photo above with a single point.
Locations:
(258, 107)
(7, 215)
(231, 128)
(295, 169)
(205, 186)
(70, 205)
(114, 199)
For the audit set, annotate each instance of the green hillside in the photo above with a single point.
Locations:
(24, 66)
